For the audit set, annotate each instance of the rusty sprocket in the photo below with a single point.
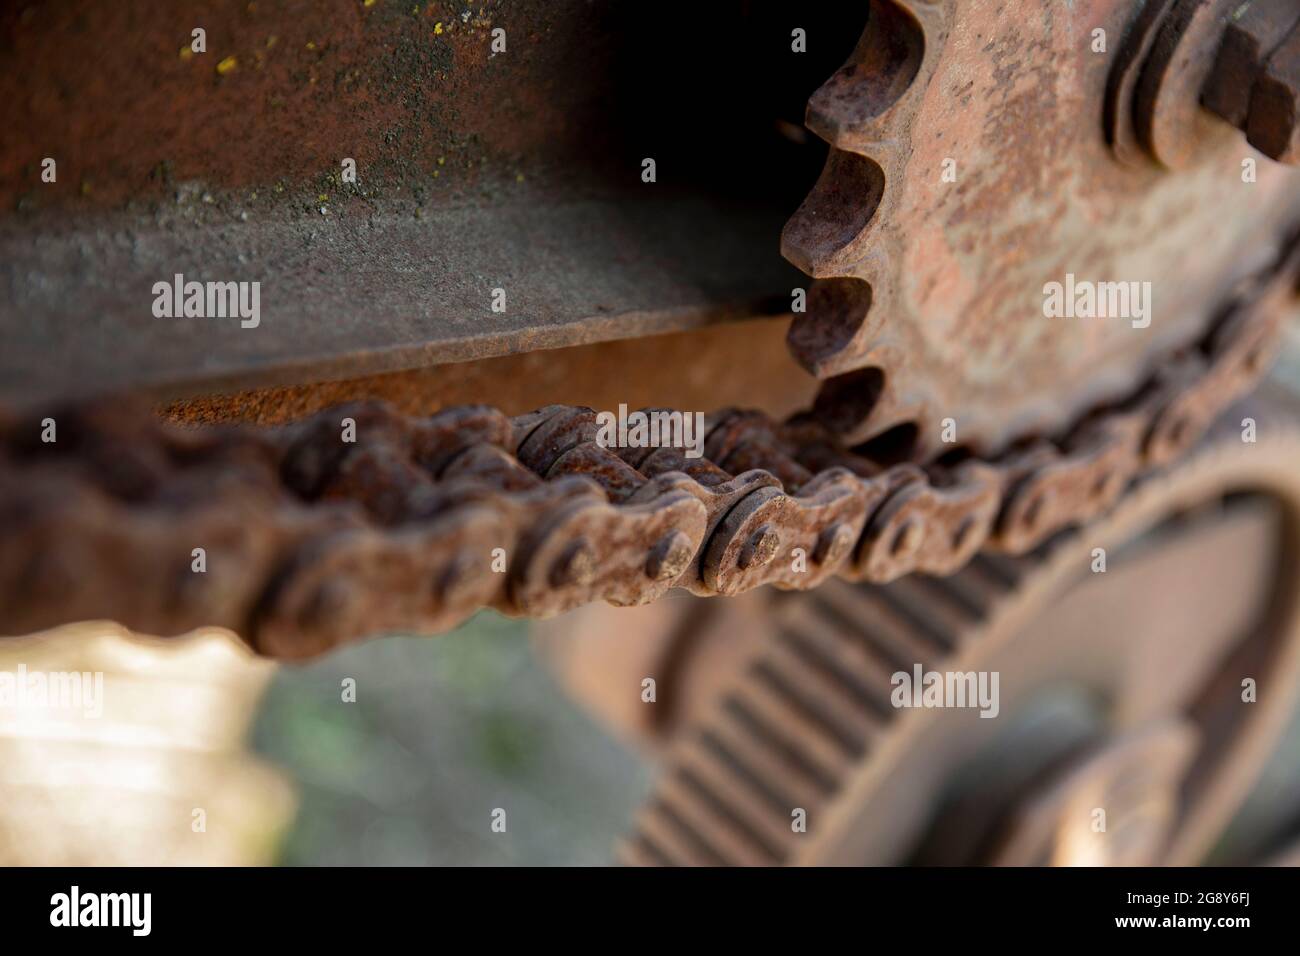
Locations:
(967, 171)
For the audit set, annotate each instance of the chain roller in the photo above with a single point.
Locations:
(310, 541)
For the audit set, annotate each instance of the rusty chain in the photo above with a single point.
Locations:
(310, 541)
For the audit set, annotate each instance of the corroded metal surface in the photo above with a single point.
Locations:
(967, 172)
(1249, 39)
(1273, 124)
(420, 521)
(599, 375)
(803, 757)
(476, 170)
(360, 521)
(365, 291)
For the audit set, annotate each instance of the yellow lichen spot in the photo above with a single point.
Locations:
(186, 53)
(435, 174)
(367, 3)
(322, 197)
(442, 160)
(311, 45)
(437, 28)
(519, 177)
(272, 40)
(227, 65)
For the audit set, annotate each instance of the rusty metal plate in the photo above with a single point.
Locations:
(346, 294)
(477, 169)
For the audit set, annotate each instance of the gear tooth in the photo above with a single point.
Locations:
(1004, 569)
(850, 666)
(864, 610)
(751, 811)
(642, 851)
(766, 717)
(860, 110)
(802, 687)
(893, 438)
(857, 105)
(970, 590)
(661, 826)
(863, 406)
(933, 601)
(833, 334)
(697, 810)
(844, 402)
(989, 578)
(824, 235)
(778, 774)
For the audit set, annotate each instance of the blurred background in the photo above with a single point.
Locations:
(442, 732)
(445, 730)
(397, 751)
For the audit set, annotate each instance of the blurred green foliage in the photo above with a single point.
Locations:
(443, 731)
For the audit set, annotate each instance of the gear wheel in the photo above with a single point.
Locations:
(969, 168)
(1133, 707)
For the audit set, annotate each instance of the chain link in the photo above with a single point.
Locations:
(309, 541)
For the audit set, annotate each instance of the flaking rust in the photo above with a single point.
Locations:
(326, 535)
(981, 154)
(360, 521)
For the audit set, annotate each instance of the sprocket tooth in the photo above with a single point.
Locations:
(957, 137)
(860, 103)
(844, 320)
(825, 236)
(862, 405)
